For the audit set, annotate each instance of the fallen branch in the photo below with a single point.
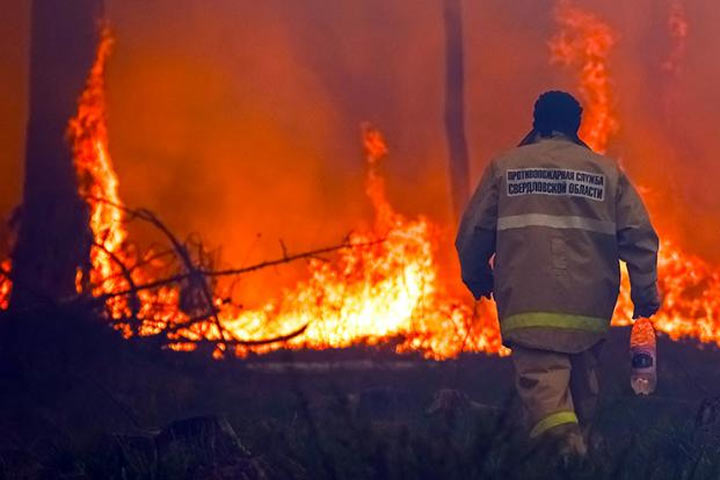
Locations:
(127, 274)
(236, 271)
(194, 276)
(282, 338)
(251, 343)
(197, 273)
(290, 258)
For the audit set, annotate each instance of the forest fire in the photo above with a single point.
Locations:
(387, 291)
(383, 287)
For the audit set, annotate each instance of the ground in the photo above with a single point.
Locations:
(96, 406)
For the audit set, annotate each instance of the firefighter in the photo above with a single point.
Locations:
(557, 218)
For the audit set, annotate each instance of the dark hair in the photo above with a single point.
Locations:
(559, 111)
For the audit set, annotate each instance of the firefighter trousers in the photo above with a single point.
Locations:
(559, 391)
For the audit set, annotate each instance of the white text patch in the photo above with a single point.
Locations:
(554, 181)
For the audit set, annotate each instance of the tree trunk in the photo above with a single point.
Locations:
(54, 238)
(455, 106)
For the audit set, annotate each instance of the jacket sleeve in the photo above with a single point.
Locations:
(475, 241)
(637, 247)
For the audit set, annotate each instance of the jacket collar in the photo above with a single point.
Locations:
(534, 137)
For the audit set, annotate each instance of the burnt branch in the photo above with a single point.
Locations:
(291, 258)
(265, 341)
(247, 343)
(127, 275)
(194, 275)
(198, 273)
(237, 271)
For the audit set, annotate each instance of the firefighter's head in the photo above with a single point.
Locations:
(557, 111)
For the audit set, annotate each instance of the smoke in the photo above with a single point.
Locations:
(235, 118)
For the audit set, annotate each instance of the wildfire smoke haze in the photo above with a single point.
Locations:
(394, 288)
(585, 42)
(678, 28)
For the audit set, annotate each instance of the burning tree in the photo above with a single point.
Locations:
(53, 240)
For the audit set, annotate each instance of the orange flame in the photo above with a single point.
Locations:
(585, 42)
(113, 261)
(97, 181)
(387, 290)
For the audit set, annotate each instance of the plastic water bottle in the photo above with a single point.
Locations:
(643, 355)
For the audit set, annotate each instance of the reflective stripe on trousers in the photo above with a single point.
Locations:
(551, 421)
(556, 388)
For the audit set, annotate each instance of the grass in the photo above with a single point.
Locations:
(78, 402)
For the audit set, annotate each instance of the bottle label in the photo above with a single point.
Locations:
(642, 360)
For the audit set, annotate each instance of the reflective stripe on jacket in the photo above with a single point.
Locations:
(557, 217)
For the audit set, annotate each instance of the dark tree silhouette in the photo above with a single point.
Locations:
(455, 106)
(53, 237)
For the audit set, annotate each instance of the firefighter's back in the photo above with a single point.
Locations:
(556, 264)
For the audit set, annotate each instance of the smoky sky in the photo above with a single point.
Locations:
(235, 118)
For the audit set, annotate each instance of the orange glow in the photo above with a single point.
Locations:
(690, 287)
(385, 292)
(678, 28)
(584, 42)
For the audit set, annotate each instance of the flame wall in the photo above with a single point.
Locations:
(234, 118)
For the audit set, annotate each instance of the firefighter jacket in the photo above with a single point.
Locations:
(558, 218)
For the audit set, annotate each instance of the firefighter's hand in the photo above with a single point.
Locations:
(645, 311)
(647, 302)
(484, 287)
